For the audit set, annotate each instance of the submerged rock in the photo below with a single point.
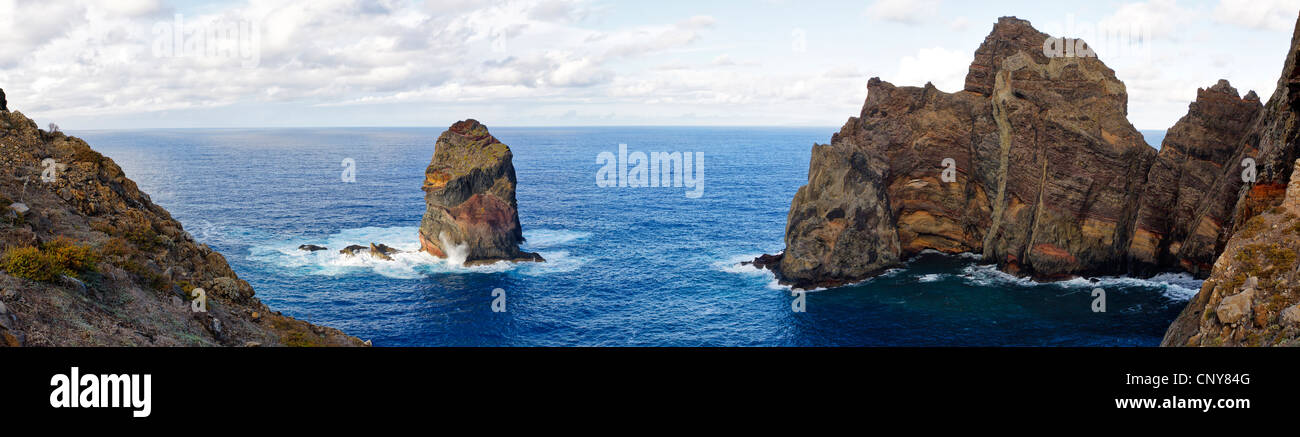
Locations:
(353, 250)
(383, 252)
(312, 247)
(469, 187)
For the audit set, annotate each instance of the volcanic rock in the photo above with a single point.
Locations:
(1189, 196)
(1034, 165)
(353, 250)
(1263, 233)
(142, 259)
(469, 187)
(383, 252)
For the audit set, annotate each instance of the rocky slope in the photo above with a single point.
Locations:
(1034, 165)
(86, 259)
(1250, 297)
(470, 203)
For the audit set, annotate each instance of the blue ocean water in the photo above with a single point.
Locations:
(627, 266)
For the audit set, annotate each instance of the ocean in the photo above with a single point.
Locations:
(626, 266)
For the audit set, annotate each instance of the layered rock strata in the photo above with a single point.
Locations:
(471, 214)
(1033, 164)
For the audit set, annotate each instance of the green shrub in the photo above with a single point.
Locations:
(52, 260)
(30, 263)
(70, 256)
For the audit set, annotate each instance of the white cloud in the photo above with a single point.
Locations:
(945, 68)
(959, 24)
(1259, 14)
(1158, 18)
(80, 59)
(903, 11)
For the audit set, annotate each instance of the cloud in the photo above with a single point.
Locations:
(86, 59)
(945, 68)
(1158, 18)
(1258, 14)
(909, 12)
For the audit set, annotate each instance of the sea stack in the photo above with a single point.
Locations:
(471, 215)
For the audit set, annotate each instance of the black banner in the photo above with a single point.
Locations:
(305, 386)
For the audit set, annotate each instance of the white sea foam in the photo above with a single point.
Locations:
(1176, 286)
(930, 277)
(411, 263)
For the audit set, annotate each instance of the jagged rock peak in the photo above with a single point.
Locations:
(1009, 36)
(1223, 87)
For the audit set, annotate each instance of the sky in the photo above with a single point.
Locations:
(128, 64)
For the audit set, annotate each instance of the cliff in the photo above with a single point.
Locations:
(87, 259)
(1251, 297)
(1034, 165)
(1251, 294)
(1193, 185)
(471, 215)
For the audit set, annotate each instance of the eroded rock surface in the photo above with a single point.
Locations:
(469, 186)
(1034, 165)
(143, 268)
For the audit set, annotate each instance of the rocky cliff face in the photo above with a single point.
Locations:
(1250, 297)
(1034, 165)
(1194, 183)
(86, 259)
(469, 187)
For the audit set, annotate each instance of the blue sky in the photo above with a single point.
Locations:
(115, 65)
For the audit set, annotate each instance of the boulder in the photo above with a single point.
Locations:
(470, 209)
(1235, 308)
(1290, 316)
(233, 289)
(312, 247)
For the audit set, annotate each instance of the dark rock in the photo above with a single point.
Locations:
(353, 250)
(4, 105)
(470, 199)
(382, 252)
(1047, 171)
(312, 247)
(1181, 219)
(1257, 232)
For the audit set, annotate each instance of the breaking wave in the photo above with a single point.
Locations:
(411, 263)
